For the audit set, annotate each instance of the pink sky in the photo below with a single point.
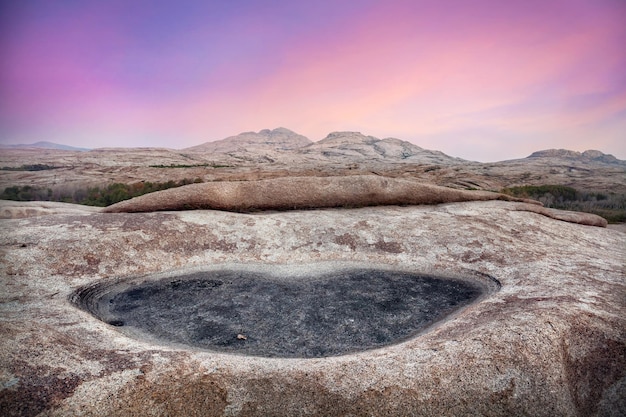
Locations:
(483, 80)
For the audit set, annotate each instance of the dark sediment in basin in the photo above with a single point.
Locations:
(260, 314)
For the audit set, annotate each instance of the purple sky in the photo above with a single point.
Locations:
(483, 80)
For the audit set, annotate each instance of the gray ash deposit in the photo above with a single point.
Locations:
(263, 314)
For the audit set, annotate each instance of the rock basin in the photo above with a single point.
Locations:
(293, 311)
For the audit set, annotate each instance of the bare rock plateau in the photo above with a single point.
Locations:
(450, 302)
(547, 337)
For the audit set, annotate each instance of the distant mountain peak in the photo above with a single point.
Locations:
(348, 137)
(360, 147)
(588, 155)
(593, 154)
(279, 139)
(45, 145)
(277, 131)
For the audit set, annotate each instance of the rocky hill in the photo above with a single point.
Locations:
(281, 152)
(355, 147)
(586, 156)
(279, 139)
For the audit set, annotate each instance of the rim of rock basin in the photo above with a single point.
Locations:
(285, 311)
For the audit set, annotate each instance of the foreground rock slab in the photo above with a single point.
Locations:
(23, 209)
(551, 341)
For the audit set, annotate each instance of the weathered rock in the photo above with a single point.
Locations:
(23, 209)
(565, 215)
(358, 148)
(312, 192)
(279, 139)
(300, 193)
(551, 341)
(589, 155)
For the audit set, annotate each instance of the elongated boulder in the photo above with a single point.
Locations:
(324, 192)
(300, 193)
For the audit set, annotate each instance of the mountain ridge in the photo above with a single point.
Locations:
(589, 155)
(337, 144)
(279, 139)
(45, 145)
(355, 145)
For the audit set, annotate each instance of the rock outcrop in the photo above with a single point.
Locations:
(589, 155)
(279, 139)
(300, 193)
(550, 342)
(24, 209)
(355, 147)
(322, 192)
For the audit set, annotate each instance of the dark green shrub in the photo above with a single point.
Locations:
(94, 196)
(611, 206)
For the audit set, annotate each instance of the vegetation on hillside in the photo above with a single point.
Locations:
(611, 206)
(35, 167)
(190, 166)
(93, 196)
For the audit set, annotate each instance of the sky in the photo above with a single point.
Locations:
(484, 80)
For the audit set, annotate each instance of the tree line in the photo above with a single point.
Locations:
(610, 205)
(91, 196)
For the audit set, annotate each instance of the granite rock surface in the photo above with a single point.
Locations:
(551, 341)
(301, 193)
(293, 193)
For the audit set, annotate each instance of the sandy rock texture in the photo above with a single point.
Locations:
(22, 209)
(551, 341)
(294, 193)
(279, 139)
(300, 193)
